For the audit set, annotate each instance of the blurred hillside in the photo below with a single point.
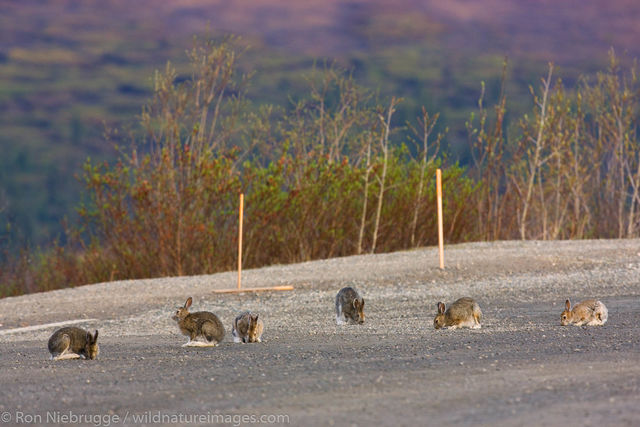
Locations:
(67, 68)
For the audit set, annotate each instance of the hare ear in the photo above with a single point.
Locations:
(440, 308)
(255, 319)
(355, 303)
(95, 336)
(362, 303)
(567, 305)
(188, 303)
(88, 337)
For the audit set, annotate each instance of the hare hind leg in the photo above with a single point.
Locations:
(597, 319)
(200, 343)
(340, 317)
(236, 336)
(64, 342)
(467, 323)
(477, 316)
(67, 356)
(476, 320)
(601, 313)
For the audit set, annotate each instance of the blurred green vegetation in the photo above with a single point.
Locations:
(324, 179)
(69, 70)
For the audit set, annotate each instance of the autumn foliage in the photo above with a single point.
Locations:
(335, 175)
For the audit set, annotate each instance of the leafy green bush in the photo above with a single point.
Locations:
(325, 180)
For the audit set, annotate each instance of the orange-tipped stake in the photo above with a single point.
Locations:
(440, 232)
(239, 289)
(240, 240)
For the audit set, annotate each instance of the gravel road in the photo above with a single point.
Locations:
(521, 368)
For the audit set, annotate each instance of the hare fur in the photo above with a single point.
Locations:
(349, 306)
(247, 327)
(463, 313)
(590, 312)
(73, 343)
(203, 328)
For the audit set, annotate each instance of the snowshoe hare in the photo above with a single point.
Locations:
(349, 306)
(73, 343)
(203, 328)
(463, 313)
(247, 327)
(590, 312)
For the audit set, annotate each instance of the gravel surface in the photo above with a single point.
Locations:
(521, 368)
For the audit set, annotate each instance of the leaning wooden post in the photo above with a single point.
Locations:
(240, 240)
(240, 289)
(440, 232)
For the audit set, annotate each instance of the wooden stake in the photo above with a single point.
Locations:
(440, 232)
(240, 289)
(237, 291)
(240, 240)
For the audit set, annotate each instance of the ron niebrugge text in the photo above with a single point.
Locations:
(148, 417)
